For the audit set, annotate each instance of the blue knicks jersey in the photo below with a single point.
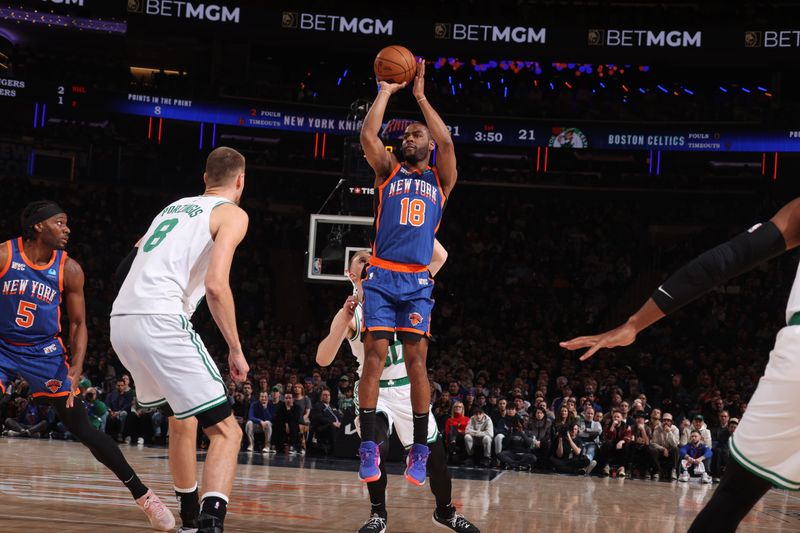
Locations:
(30, 297)
(409, 210)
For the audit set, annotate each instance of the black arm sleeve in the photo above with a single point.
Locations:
(740, 254)
(124, 267)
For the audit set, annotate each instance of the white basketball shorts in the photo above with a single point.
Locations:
(168, 363)
(767, 441)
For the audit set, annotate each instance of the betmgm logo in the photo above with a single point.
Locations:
(187, 10)
(489, 34)
(336, 23)
(66, 2)
(644, 38)
(772, 39)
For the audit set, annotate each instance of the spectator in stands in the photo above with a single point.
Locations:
(29, 422)
(639, 457)
(698, 423)
(566, 394)
(589, 432)
(119, 404)
(676, 399)
(562, 420)
(240, 409)
(541, 429)
(664, 447)
(263, 386)
(347, 402)
(96, 409)
(455, 390)
(304, 402)
(655, 419)
(501, 426)
(614, 450)
(722, 419)
(695, 458)
(721, 452)
(568, 456)
(247, 391)
(454, 429)
(325, 420)
(259, 420)
(286, 426)
(518, 448)
(479, 429)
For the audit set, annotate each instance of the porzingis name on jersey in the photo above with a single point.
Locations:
(191, 209)
(39, 290)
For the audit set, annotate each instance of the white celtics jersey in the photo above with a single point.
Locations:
(168, 274)
(395, 366)
(794, 297)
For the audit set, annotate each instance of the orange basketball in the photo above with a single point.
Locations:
(395, 64)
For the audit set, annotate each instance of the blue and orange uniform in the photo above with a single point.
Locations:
(398, 287)
(30, 322)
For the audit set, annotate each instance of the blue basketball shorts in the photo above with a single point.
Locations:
(44, 366)
(397, 302)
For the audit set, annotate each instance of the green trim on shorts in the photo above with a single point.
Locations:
(209, 364)
(156, 403)
(762, 472)
(388, 383)
(204, 407)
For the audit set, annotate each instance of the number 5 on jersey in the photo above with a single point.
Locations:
(25, 316)
(160, 234)
(412, 212)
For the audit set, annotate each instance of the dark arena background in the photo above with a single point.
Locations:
(601, 145)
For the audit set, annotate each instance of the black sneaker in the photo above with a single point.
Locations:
(375, 524)
(457, 522)
(209, 524)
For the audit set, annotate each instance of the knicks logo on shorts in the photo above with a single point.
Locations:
(415, 319)
(53, 385)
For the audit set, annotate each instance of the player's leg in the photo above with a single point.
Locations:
(445, 513)
(183, 467)
(376, 523)
(415, 352)
(220, 466)
(738, 492)
(379, 332)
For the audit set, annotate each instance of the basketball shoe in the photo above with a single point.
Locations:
(416, 464)
(160, 517)
(457, 522)
(370, 454)
(375, 524)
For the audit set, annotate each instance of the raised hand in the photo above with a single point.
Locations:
(391, 88)
(419, 80)
(350, 306)
(621, 336)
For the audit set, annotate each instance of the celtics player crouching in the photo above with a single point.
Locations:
(394, 403)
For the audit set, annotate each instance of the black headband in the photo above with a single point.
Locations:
(47, 210)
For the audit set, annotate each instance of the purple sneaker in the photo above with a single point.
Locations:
(417, 464)
(370, 454)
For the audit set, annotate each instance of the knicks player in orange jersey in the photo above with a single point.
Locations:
(410, 197)
(36, 277)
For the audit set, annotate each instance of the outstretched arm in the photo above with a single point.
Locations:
(378, 158)
(730, 259)
(446, 154)
(341, 327)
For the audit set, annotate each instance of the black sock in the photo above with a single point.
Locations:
(366, 419)
(189, 506)
(135, 485)
(446, 511)
(420, 428)
(215, 506)
(379, 509)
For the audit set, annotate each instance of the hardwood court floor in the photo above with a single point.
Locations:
(50, 486)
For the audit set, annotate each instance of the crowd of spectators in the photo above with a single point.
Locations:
(523, 273)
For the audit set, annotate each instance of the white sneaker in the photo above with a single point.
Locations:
(705, 478)
(128, 439)
(590, 468)
(160, 517)
(184, 529)
(716, 480)
(272, 450)
(292, 451)
(265, 450)
(250, 448)
(684, 477)
(140, 441)
(302, 451)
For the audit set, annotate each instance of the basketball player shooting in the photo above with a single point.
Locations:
(397, 290)
(393, 407)
(766, 446)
